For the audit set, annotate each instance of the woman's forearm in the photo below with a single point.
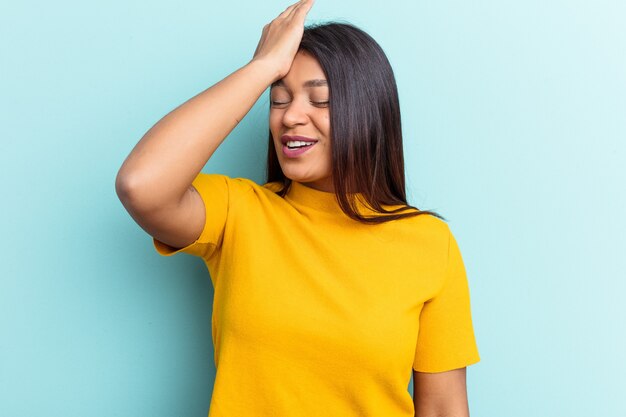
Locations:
(170, 155)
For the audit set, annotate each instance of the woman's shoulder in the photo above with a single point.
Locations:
(239, 183)
(429, 226)
(273, 186)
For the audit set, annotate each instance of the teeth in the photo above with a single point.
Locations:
(293, 143)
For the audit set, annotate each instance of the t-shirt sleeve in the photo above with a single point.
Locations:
(446, 336)
(214, 191)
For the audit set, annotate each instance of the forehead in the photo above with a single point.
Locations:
(305, 72)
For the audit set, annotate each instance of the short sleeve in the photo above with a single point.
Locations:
(446, 336)
(214, 191)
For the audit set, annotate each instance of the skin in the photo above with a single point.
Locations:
(440, 394)
(154, 182)
(303, 111)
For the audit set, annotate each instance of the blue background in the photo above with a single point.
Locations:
(514, 117)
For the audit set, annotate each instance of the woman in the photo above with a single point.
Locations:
(329, 288)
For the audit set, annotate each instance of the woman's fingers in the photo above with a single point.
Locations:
(280, 38)
(302, 6)
(294, 9)
(288, 10)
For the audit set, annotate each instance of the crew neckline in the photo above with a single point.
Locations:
(320, 200)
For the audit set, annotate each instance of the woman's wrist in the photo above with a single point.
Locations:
(267, 70)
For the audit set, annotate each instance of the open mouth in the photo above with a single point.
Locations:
(291, 149)
(294, 145)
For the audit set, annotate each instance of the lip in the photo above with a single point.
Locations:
(294, 153)
(286, 138)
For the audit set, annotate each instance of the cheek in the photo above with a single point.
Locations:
(276, 115)
(274, 125)
(275, 132)
(274, 120)
(326, 122)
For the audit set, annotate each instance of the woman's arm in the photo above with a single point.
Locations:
(154, 182)
(160, 169)
(441, 394)
(172, 153)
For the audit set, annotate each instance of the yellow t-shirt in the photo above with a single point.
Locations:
(316, 314)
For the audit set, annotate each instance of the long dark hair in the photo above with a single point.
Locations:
(365, 128)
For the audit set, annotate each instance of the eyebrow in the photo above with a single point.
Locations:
(309, 83)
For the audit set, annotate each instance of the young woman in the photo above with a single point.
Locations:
(329, 289)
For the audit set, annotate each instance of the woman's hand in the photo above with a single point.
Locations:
(281, 37)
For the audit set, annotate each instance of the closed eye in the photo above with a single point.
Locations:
(317, 103)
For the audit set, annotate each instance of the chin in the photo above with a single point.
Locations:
(300, 173)
(298, 178)
(295, 177)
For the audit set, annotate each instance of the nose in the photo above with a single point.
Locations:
(295, 113)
